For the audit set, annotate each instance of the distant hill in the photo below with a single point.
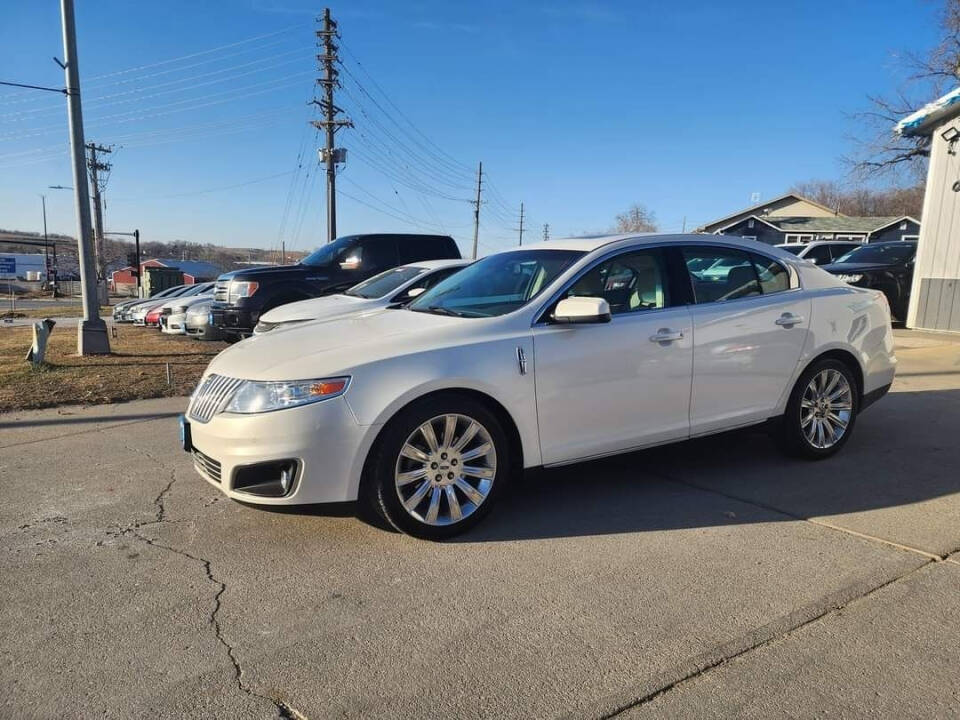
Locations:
(116, 251)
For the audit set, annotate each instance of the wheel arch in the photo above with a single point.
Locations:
(495, 406)
(844, 356)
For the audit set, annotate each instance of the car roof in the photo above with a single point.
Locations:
(594, 242)
(436, 264)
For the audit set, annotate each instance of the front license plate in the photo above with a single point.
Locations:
(186, 442)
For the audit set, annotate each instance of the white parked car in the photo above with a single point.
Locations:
(173, 313)
(398, 285)
(539, 356)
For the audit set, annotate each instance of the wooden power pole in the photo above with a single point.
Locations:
(330, 123)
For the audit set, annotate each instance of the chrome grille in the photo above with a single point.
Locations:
(221, 291)
(206, 465)
(211, 396)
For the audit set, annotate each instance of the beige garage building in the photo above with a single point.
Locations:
(935, 296)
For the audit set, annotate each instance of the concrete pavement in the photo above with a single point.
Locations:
(712, 578)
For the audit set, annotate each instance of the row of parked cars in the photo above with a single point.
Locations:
(421, 388)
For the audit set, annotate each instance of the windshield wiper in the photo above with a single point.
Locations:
(438, 310)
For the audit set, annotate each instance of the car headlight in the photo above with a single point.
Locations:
(241, 289)
(850, 278)
(257, 397)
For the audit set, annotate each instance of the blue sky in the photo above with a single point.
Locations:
(579, 109)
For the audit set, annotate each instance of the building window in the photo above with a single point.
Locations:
(749, 237)
(903, 225)
(750, 224)
(798, 238)
(910, 238)
(852, 238)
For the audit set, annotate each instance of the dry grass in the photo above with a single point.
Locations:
(136, 368)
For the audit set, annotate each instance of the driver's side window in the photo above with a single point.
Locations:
(631, 282)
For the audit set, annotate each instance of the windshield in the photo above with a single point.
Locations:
(891, 253)
(384, 283)
(497, 284)
(329, 254)
(196, 290)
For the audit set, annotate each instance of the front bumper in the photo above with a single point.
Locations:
(235, 321)
(324, 439)
(174, 324)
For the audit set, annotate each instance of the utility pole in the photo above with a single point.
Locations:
(546, 231)
(476, 211)
(330, 155)
(521, 223)
(96, 167)
(46, 246)
(92, 336)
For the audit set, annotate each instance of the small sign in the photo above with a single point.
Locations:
(8, 265)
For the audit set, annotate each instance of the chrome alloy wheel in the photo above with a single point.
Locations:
(446, 469)
(825, 408)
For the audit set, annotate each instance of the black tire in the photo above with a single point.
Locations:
(380, 491)
(793, 439)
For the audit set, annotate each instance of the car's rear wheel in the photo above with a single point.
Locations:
(821, 411)
(439, 466)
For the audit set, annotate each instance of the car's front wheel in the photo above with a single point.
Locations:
(821, 411)
(439, 466)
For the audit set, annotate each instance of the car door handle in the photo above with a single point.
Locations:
(666, 335)
(788, 320)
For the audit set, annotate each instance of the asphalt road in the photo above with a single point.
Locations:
(708, 579)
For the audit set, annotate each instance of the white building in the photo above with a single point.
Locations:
(935, 294)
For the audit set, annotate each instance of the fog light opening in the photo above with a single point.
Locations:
(270, 479)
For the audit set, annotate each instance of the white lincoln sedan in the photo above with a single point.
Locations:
(539, 356)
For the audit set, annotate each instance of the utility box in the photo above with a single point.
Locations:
(156, 279)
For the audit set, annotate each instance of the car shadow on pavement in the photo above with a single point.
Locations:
(904, 450)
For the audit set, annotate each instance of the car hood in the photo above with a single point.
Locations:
(332, 347)
(320, 308)
(847, 268)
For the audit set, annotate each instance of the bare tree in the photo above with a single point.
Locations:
(930, 76)
(637, 219)
(863, 201)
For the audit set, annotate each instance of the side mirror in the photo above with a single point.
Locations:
(414, 292)
(350, 263)
(582, 310)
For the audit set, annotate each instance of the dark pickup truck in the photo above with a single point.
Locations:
(241, 296)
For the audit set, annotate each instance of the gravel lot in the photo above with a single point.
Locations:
(708, 579)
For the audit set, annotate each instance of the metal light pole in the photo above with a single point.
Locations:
(56, 267)
(92, 336)
(46, 243)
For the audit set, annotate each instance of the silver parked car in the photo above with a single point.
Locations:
(198, 325)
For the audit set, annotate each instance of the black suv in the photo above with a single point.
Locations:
(242, 296)
(886, 266)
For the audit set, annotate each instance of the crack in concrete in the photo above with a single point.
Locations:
(285, 711)
(722, 658)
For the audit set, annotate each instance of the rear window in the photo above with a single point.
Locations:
(415, 248)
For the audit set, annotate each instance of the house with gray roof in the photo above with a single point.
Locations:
(799, 229)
